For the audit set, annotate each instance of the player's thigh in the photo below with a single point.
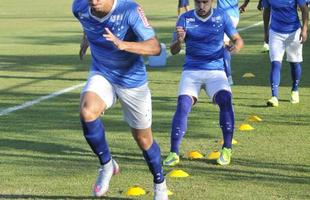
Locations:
(294, 47)
(216, 81)
(98, 90)
(190, 83)
(136, 105)
(276, 46)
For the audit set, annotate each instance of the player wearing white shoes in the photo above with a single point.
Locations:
(286, 35)
(202, 30)
(118, 34)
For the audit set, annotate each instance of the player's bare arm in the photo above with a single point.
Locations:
(176, 45)
(266, 18)
(305, 18)
(237, 43)
(147, 48)
(260, 5)
(242, 8)
(83, 46)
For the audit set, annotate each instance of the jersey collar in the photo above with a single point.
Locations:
(204, 19)
(105, 17)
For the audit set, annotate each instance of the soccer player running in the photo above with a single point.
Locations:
(286, 35)
(118, 34)
(202, 30)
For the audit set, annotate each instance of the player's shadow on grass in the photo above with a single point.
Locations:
(29, 196)
(254, 171)
(43, 147)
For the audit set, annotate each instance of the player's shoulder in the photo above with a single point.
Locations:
(79, 5)
(190, 13)
(128, 5)
(217, 11)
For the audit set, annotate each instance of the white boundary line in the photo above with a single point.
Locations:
(36, 101)
(63, 91)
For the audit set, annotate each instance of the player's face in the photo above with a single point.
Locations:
(203, 7)
(96, 5)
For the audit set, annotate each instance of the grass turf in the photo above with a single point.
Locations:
(43, 154)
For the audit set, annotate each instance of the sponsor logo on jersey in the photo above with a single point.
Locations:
(143, 17)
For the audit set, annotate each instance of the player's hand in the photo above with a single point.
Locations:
(83, 47)
(242, 8)
(111, 37)
(303, 36)
(231, 48)
(259, 6)
(181, 33)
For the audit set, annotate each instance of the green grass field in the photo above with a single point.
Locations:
(43, 154)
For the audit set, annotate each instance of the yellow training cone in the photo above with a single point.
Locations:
(178, 173)
(245, 127)
(254, 118)
(248, 75)
(194, 155)
(170, 193)
(233, 141)
(135, 191)
(214, 155)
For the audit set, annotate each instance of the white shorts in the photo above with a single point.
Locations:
(212, 81)
(279, 43)
(235, 21)
(136, 102)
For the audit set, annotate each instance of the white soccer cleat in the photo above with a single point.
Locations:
(160, 191)
(294, 97)
(273, 102)
(106, 172)
(265, 48)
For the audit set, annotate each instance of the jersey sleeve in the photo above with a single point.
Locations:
(229, 28)
(140, 24)
(179, 23)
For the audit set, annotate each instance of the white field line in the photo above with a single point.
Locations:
(38, 100)
(63, 91)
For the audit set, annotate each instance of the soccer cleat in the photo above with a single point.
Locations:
(225, 157)
(172, 159)
(294, 97)
(106, 172)
(273, 102)
(160, 191)
(265, 48)
(230, 80)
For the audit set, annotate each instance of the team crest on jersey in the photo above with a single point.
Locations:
(143, 17)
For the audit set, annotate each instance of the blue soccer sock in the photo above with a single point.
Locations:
(179, 122)
(296, 75)
(227, 62)
(94, 134)
(227, 119)
(153, 160)
(275, 76)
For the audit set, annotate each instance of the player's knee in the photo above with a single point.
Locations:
(143, 137)
(143, 142)
(223, 98)
(87, 114)
(184, 104)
